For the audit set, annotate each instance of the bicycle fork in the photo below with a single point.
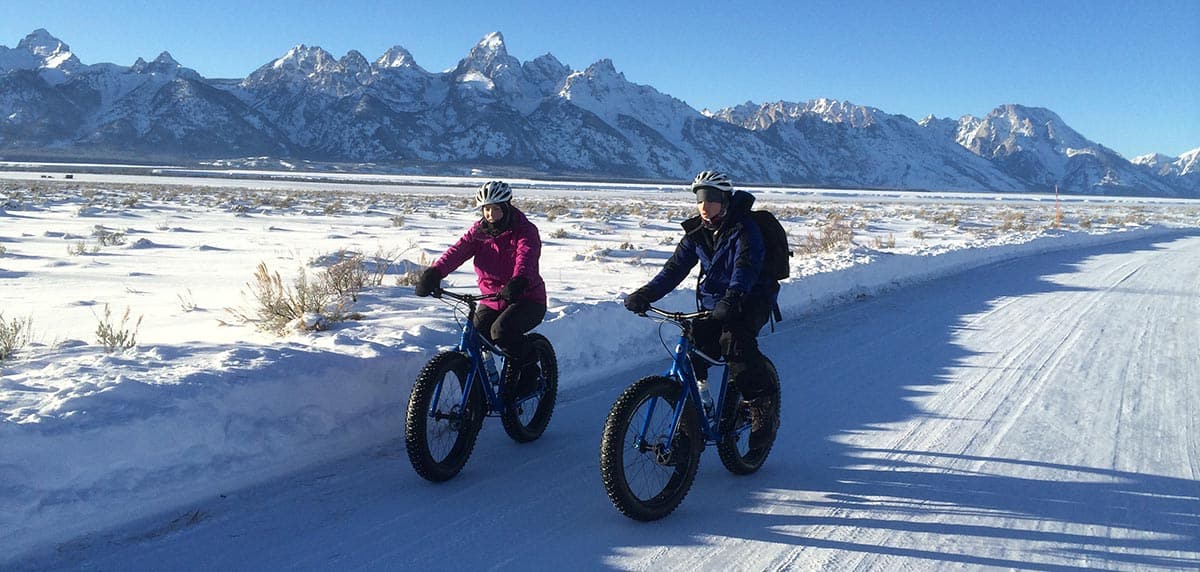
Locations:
(681, 371)
(477, 373)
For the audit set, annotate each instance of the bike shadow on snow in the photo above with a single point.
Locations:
(859, 367)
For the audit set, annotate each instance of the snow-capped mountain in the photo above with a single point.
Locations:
(1185, 165)
(1184, 170)
(1189, 163)
(852, 145)
(494, 112)
(1035, 146)
(1158, 163)
(52, 104)
(39, 51)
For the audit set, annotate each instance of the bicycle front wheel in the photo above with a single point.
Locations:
(439, 433)
(645, 479)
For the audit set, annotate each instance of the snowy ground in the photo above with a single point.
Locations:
(206, 405)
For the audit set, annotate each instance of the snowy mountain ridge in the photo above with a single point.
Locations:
(1185, 164)
(496, 113)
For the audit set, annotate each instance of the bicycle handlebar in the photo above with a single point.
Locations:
(468, 298)
(680, 316)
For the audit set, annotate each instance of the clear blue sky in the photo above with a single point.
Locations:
(1124, 73)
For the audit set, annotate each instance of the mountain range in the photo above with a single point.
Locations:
(495, 114)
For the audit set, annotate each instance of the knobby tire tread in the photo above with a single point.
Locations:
(452, 367)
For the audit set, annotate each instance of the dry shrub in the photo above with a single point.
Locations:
(117, 336)
(347, 276)
(1013, 220)
(555, 210)
(880, 243)
(312, 306)
(14, 335)
(412, 272)
(948, 218)
(105, 237)
(832, 235)
(382, 264)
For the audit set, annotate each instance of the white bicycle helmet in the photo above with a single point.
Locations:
(493, 192)
(714, 180)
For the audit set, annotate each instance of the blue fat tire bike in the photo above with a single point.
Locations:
(454, 392)
(657, 429)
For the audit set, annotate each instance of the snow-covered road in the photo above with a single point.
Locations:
(1041, 414)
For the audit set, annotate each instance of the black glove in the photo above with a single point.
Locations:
(514, 288)
(637, 302)
(429, 282)
(728, 307)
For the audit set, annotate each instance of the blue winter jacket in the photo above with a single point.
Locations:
(731, 260)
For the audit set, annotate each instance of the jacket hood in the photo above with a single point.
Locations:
(740, 204)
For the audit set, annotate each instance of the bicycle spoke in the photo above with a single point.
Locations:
(647, 476)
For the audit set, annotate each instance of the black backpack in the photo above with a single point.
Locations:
(776, 256)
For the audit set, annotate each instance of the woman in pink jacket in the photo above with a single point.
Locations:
(506, 248)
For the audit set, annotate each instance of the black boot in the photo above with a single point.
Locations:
(764, 421)
(530, 375)
(523, 375)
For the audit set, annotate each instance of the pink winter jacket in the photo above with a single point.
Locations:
(514, 252)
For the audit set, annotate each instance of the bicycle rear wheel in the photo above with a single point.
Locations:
(439, 434)
(525, 417)
(644, 481)
(734, 445)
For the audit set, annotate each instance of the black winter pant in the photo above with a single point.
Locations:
(506, 328)
(737, 341)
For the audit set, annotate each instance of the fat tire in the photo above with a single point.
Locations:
(734, 448)
(616, 446)
(543, 405)
(449, 368)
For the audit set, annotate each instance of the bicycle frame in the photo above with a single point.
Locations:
(682, 371)
(473, 344)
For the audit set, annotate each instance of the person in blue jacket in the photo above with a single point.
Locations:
(727, 243)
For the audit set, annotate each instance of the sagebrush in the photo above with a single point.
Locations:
(117, 336)
(310, 305)
(14, 335)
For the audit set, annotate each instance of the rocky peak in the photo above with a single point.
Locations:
(397, 57)
(48, 50)
(42, 43)
(546, 70)
(604, 70)
(489, 57)
(163, 64)
(354, 63)
(306, 60)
